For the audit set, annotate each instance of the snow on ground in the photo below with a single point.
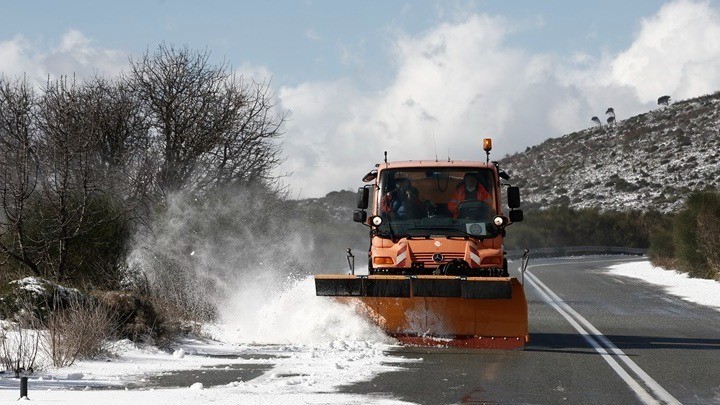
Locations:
(700, 291)
(293, 349)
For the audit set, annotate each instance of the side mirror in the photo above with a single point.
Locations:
(513, 196)
(516, 216)
(362, 197)
(359, 216)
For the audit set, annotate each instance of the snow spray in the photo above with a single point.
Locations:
(249, 254)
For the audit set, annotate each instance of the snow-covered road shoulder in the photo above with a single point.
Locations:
(293, 347)
(699, 291)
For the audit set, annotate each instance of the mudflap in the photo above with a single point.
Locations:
(470, 312)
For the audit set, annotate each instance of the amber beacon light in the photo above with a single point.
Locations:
(487, 146)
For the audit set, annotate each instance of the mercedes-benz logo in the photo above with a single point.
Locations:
(438, 257)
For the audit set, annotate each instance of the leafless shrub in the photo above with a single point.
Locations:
(77, 332)
(140, 317)
(19, 343)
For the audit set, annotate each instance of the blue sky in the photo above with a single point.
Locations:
(361, 77)
(307, 40)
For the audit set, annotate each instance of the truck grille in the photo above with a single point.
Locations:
(426, 258)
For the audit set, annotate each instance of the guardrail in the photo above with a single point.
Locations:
(577, 251)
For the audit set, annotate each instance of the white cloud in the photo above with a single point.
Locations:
(14, 60)
(677, 52)
(253, 72)
(461, 82)
(457, 82)
(73, 54)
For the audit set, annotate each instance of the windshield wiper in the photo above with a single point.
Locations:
(445, 228)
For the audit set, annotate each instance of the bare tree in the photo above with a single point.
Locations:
(249, 152)
(189, 104)
(78, 157)
(68, 131)
(19, 167)
(125, 157)
(76, 198)
(63, 175)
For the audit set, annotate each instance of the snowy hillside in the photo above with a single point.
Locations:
(650, 161)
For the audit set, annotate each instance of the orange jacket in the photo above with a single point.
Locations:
(460, 195)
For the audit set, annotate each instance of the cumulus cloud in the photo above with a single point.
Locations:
(74, 53)
(677, 52)
(460, 81)
(454, 85)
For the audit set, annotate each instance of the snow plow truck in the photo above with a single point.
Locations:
(437, 271)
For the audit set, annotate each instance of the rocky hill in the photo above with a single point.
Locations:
(650, 161)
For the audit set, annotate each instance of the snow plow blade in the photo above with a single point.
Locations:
(473, 312)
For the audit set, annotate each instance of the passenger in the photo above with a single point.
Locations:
(402, 202)
(469, 189)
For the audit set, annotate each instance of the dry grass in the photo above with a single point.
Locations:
(664, 262)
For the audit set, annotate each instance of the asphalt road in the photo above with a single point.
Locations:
(594, 339)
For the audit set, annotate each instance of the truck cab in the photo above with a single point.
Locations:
(442, 218)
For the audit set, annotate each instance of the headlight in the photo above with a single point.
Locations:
(498, 221)
(377, 221)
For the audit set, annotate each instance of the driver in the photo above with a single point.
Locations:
(469, 189)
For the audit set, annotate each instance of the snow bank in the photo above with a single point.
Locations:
(217, 396)
(308, 348)
(699, 291)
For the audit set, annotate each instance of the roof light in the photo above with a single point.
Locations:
(487, 145)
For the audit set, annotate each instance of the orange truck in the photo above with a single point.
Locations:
(437, 271)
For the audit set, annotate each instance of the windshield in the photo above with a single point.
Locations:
(425, 202)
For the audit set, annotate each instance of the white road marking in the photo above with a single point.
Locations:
(595, 337)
